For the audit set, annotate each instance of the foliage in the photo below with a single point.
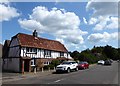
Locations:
(46, 67)
(97, 53)
(55, 62)
(110, 52)
(75, 55)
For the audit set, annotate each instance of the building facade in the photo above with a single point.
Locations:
(27, 51)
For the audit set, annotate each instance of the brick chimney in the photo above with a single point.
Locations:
(35, 33)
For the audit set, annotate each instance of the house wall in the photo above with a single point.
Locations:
(14, 42)
(55, 54)
(14, 50)
(11, 64)
(40, 54)
(1, 50)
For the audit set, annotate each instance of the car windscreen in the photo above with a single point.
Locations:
(66, 62)
(81, 63)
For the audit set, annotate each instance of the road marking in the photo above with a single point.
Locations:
(57, 80)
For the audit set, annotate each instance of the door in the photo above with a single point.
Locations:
(26, 65)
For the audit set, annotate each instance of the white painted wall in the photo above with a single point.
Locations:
(11, 64)
(40, 54)
(55, 54)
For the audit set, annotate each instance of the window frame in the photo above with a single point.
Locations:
(47, 53)
(61, 54)
(31, 50)
(32, 62)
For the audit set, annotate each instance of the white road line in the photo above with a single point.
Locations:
(57, 80)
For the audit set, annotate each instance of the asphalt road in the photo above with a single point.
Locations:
(96, 74)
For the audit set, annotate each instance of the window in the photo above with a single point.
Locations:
(34, 50)
(47, 53)
(31, 50)
(46, 63)
(27, 49)
(32, 63)
(61, 54)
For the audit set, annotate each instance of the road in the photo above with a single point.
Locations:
(96, 74)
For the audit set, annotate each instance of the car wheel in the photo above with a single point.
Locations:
(76, 68)
(68, 70)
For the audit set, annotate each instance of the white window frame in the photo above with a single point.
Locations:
(32, 62)
(47, 53)
(61, 54)
(31, 50)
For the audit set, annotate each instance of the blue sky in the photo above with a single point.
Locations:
(78, 25)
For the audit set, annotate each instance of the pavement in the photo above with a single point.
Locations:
(6, 77)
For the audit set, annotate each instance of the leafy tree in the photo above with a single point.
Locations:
(110, 52)
(55, 62)
(75, 55)
(97, 53)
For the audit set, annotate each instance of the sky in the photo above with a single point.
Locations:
(77, 25)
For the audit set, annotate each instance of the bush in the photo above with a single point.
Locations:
(46, 67)
(55, 62)
(51, 66)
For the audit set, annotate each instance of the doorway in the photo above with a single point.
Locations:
(26, 65)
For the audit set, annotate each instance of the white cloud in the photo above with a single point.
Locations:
(92, 21)
(58, 22)
(104, 14)
(105, 37)
(101, 23)
(7, 12)
(4, 2)
(84, 20)
(106, 23)
(102, 8)
(113, 23)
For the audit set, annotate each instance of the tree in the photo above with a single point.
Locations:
(110, 52)
(55, 62)
(75, 55)
(97, 53)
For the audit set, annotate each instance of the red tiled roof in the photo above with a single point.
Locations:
(26, 40)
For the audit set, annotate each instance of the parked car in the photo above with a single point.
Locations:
(83, 65)
(111, 60)
(101, 62)
(107, 62)
(118, 60)
(67, 66)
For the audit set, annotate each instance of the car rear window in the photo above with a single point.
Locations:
(82, 63)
